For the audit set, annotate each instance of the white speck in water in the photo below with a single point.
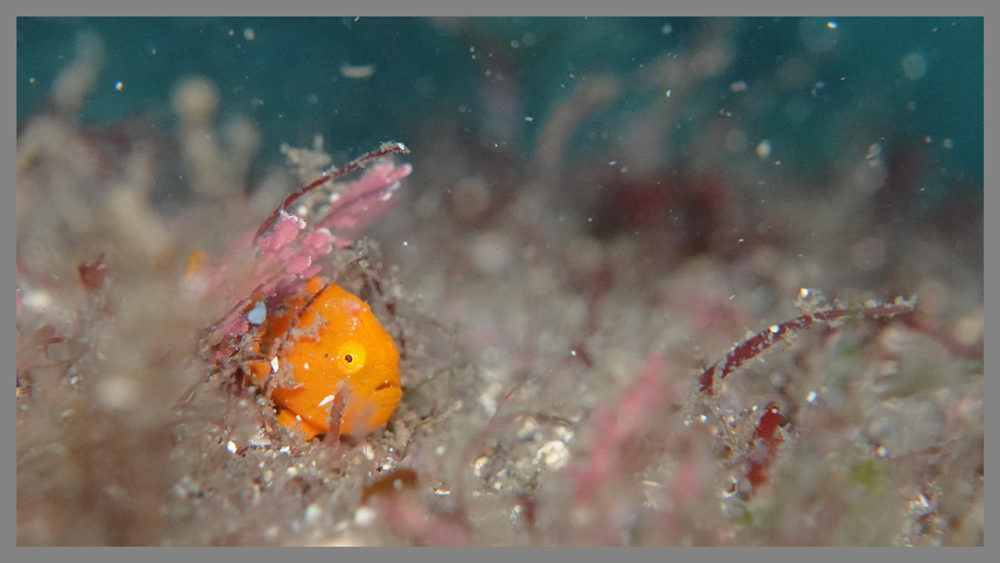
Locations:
(231, 446)
(249, 34)
(326, 401)
(274, 364)
(914, 66)
(360, 71)
(874, 152)
(119, 85)
(764, 148)
(811, 397)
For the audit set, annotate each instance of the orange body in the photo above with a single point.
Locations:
(332, 344)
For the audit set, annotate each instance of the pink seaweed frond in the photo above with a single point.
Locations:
(356, 190)
(289, 247)
(629, 419)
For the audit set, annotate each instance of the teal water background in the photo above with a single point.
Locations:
(288, 79)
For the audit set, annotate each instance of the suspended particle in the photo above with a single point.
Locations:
(764, 148)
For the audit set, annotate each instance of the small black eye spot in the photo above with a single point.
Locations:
(349, 358)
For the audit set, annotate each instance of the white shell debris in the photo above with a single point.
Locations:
(554, 453)
(477, 466)
(260, 440)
